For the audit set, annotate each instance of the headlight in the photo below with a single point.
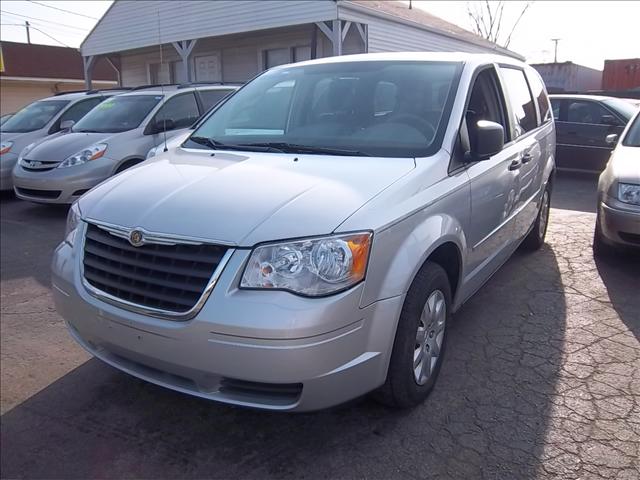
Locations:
(629, 193)
(24, 151)
(90, 153)
(312, 267)
(5, 147)
(73, 220)
(152, 153)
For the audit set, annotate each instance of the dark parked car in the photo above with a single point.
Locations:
(582, 125)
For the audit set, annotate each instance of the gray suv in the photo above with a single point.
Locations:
(40, 119)
(310, 240)
(114, 136)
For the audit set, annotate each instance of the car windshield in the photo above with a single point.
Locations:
(118, 114)
(632, 138)
(375, 108)
(624, 108)
(34, 116)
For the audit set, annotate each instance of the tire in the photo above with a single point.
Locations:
(535, 238)
(600, 247)
(128, 164)
(430, 290)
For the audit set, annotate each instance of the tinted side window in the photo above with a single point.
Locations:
(181, 109)
(212, 97)
(537, 88)
(520, 99)
(485, 103)
(579, 111)
(555, 106)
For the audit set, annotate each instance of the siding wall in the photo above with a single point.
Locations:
(241, 55)
(137, 24)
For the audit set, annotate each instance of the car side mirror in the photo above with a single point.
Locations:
(609, 120)
(489, 140)
(67, 125)
(163, 125)
(611, 139)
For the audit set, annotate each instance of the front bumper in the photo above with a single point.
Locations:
(620, 223)
(270, 350)
(7, 163)
(61, 185)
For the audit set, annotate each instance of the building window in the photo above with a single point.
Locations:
(167, 72)
(279, 56)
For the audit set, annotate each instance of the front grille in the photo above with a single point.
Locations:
(274, 393)
(38, 165)
(630, 237)
(166, 277)
(29, 192)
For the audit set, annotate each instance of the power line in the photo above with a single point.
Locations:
(63, 10)
(36, 29)
(43, 20)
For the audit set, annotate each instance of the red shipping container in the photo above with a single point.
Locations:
(621, 74)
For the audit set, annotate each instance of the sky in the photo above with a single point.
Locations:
(589, 31)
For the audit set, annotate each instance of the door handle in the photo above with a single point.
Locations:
(515, 165)
(527, 157)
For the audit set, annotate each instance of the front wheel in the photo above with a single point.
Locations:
(535, 238)
(420, 339)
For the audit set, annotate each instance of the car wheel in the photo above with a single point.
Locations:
(535, 238)
(419, 345)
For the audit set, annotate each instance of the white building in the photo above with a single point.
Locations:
(231, 41)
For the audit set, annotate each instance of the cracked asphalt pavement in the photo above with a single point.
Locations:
(541, 380)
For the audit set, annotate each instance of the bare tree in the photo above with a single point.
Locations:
(487, 20)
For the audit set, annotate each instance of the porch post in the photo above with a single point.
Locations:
(184, 49)
(88, 63)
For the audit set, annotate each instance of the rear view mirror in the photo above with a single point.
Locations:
(489, 140)
(611, 139)
(67, 124)
(609, 120)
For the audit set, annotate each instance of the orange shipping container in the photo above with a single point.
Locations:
(621, 75)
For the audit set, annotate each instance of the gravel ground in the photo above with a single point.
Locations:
(541, 380)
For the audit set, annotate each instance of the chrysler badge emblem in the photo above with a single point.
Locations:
(135, 238)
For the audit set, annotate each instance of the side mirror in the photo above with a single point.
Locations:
(611, 139)
(609, 120)
(163, 125)
(67, 124)
(489, 140)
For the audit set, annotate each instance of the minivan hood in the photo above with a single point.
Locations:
(626, 164)
(58, 148)
(241, 198)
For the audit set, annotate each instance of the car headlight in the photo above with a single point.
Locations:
(24, 151)
(73, 220)
(5, 147)
(629, 193)
(85, 155)
(152, 153)
(311, 267)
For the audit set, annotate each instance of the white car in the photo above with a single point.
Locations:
(618, 221)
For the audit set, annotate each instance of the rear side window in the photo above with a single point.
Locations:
(211, 98)
(537, 88)
(524, 109)
(181, 109)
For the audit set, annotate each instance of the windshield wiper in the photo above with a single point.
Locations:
(215, 145)
(295, 148)
(86, 130)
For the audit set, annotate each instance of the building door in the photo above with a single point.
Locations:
(208, 68)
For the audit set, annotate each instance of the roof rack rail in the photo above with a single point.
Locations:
(99, 90)
(197, 84)
(156, 85)
(69, 91)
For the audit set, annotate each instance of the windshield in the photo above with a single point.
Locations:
(381, 108)
(632, 138)
(624, 108)
(118, 114)
(34, 116)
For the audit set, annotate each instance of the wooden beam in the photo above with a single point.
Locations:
(345, 30)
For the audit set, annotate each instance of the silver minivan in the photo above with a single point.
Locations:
(40, 119)
(112, 137)
(310, 240)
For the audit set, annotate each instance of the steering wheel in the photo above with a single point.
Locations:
(420, 124)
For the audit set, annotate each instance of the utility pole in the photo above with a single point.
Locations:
(555, 49)
(26, 25)
(410, 6)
